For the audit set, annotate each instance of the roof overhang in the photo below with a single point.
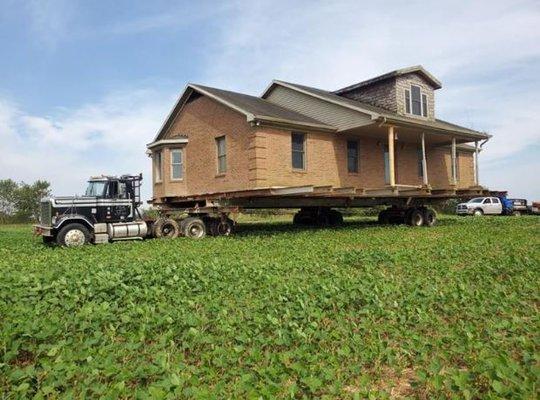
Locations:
(421, 125)
(254, 120)
(167, 142)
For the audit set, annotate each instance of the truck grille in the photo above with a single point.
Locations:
(45, 217)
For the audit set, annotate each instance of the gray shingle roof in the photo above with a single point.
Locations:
(392, 74)
(260, 108)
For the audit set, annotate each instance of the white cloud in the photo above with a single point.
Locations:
(482, 50)
(108, 137)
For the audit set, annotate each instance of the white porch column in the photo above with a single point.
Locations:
(391, 167)
(424, 161)
(476, 151)
(454, 171)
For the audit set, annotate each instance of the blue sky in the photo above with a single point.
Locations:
(85, 85)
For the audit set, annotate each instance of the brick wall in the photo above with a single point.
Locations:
(202, 121)
(259, 157)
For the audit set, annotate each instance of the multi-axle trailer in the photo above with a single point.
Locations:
(109, 210)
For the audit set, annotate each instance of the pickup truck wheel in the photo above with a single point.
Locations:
(430, 218)
(194, 228)
(516, 213)
(478, 212)
(73, 235)
(166, 228)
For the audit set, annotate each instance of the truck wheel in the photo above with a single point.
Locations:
(415, 217)
(194, 228)
(430, 218)
(224, 228)
(336, 218)
(516, 213)
(478, 212)
(73, 235)
(383, 217)
(303, 218)
(166, 228)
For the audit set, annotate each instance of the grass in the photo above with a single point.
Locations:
(358, 312)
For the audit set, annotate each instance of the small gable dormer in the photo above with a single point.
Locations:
(407, 91)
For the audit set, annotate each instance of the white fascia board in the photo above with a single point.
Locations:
(164, 142)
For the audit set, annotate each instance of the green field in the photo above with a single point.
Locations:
(277, 311)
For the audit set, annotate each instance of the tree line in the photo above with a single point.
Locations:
(19, 201)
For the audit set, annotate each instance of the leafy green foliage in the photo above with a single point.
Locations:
(19, 202)
(358, 312)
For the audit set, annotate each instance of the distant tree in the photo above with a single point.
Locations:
(19, 202)
(8, 198)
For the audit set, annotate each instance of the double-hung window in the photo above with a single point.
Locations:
(298, 147)
(177, 164)
(416, 101)
(352, 156)
(157, 166)
(221, 155)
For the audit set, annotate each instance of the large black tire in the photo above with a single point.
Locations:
(430, 218)
(415, 217)
(224, 227)
(73, 235)
(478, 212)
(383, 217)
(335, 218)
(303, 218)
(193, 227)
(166, 228)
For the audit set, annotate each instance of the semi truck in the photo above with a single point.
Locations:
(110, 211)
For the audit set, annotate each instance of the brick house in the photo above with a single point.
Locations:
(376, 136)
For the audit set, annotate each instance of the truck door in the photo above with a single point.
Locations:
(486, 205)
(496, 205)
(119, 204)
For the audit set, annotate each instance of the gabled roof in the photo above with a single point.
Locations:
(254, 108)
(398, 72)
(376, 113)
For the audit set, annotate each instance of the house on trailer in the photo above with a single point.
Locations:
(379, 137)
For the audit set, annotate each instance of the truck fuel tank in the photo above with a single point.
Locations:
(127, 230)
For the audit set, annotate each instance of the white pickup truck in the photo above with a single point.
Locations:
(480, 206)
(492, 206)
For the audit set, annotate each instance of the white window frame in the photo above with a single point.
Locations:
(409, 91)
(181, 164)
(158, 167)
(224, 155)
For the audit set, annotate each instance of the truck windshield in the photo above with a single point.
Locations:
(95, 188)
(477, 200)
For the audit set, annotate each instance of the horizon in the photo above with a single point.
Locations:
(87, 86)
